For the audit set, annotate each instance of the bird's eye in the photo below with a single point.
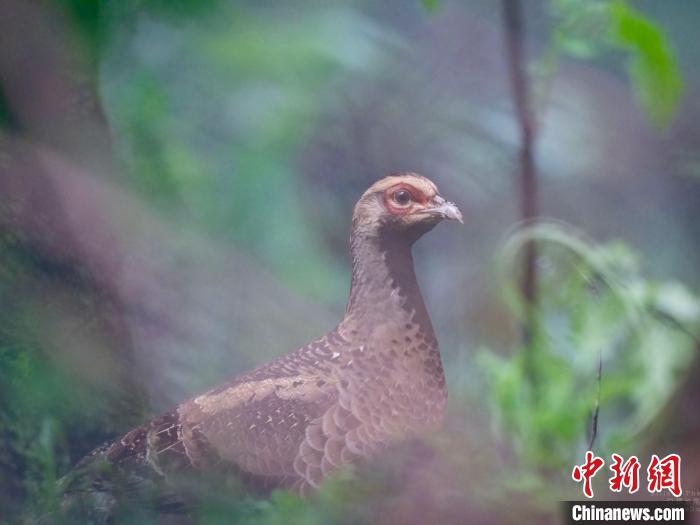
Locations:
(402, 197)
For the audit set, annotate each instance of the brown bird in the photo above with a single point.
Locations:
(373, 381)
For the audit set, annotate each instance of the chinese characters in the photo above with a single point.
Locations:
(662, 473)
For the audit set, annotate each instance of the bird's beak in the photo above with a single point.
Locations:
(445, 209)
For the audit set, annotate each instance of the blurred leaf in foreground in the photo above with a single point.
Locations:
(594, 302)
(586, 28)
(430, 5)
(652, 67)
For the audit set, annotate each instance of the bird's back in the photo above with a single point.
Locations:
(290, 422)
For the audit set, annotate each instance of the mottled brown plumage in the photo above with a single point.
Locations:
(371, 382)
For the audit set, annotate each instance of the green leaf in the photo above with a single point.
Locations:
(653, 69)
(430, 5)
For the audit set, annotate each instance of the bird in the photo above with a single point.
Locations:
(373, 381)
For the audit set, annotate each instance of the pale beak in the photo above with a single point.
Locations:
(445, 209)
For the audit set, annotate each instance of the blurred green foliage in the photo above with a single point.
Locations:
(274, 72)
(49, 410)
(652, 67)
(595, 304)
(586, 28)
(430, 5)
(344, 499)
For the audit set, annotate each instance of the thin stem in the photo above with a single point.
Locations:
(515, 54)
(596, 409)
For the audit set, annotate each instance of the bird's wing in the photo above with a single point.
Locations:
(253, 425)
(256, 425)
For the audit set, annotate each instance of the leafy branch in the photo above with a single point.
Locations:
(585, 28)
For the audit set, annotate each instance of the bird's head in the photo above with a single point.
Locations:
(405, 205)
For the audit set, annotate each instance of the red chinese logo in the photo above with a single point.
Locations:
(665, 474)
(662, 474)
(586, 471)
(625, 474)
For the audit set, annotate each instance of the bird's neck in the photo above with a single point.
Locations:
(384, 286)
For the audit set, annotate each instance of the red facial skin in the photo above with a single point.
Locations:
(417, 198)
